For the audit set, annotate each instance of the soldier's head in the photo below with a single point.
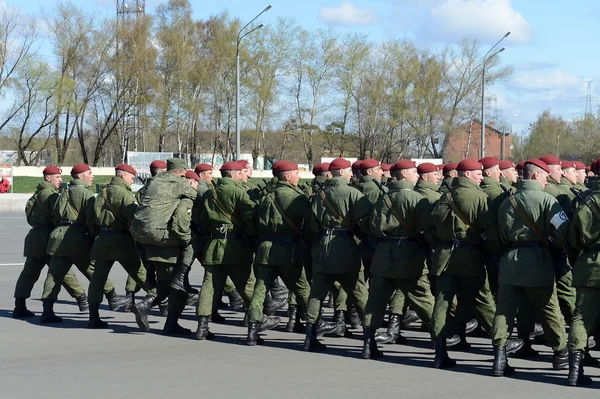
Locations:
(126, 173)
(385, 168)
(322, 170)
(471, 169)
(580, 172)
(519, 168)
(341, 167)
(450, 170)
(157, 167)
(247, 168)
(554, 165)
(233, 170)
(406, 170)
(536, 169)
(192, 178)
(53, 175)
(177, 166)
(371, 167)
(356, 169)
(288, 172)
(205, 172)
(429, 172)
(491, 168)
(508, 170)
(83, 172)
(569, 171)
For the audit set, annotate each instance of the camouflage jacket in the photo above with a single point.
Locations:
(40, 217)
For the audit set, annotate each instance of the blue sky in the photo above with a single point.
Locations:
(552, 47)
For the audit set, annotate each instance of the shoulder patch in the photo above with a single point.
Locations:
(558, 219)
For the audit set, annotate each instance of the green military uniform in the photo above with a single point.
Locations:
(508, 184)
(447, 182)
(281, 247)
(399, 260)
(526, 268)
(564, 285)
(40, 218)
(114, 209)
(458, 263)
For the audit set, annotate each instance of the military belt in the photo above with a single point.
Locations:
(42, 227)
(277, 238)
(69, 223)
(526, 244)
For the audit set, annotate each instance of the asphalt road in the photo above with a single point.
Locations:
(69, 361)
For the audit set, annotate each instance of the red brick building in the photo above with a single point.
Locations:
(458, 141)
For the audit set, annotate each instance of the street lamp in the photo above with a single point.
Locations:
(485, 60)
(240, 37)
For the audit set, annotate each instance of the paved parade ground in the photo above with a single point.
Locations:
(69, 361)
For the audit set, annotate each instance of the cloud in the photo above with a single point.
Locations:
(552, 80)
(347, 14)
(534, 66)
(485, 20)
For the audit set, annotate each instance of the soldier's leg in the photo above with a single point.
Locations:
(509, 298)
(322, 283)
(340, 297)
(72, 285)
(547, 309)
(29, 276)
(484, 306)
(137, 274)
(214, 279)
(58, 268)
(294, 277)
(397, 302)
(98, 280)
(584, 318)
(419, 294)
(265, 274)
(241, 275)
(381, 289)
(447, 287)
(131, 285)
(354, 282)
(87, 267)
(566, 296)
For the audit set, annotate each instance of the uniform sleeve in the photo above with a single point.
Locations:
(581, 222)
(423, 222)
(90, 216)
(557, 222)
(361, 209)
(128, 207)
(488, 222)
(247, 212)
(182, 218)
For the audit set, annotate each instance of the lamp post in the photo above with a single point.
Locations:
(485, 60)
(240, 37)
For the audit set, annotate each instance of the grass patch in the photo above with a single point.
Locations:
(27, 184)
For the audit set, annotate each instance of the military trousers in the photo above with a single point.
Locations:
(134, 269)
(294, 279)
(472, 291)
(417, 290)
(352, 282)
(566, 296)
(544, 302)
(585, 317)
(58, 269)
(31, 274)
(214, 281)
(131, 285)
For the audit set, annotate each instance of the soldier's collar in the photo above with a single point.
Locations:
(530, 185)
(336, 181)
(400, 185)
(552, 181)
(78, 182)
(427, 184)
(367, 178)
(488, 181)
(46, 185)
(464, 182)
(118, 181)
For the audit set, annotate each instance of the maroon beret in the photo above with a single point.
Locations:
(245, 164)
(369, 163)
(126, 168)
(450, 167)
(427, 167)
(520, 165)
(579, 165)
(440, 166)
(468, 164)
(320, 168)
(385, 167)
(190, 174)
(340, 163)
(588, 168)
(506, 164)
(52, 170)
(488, 162)
(568, 164)
(158, 164)
(284, 166)
(202, 167)
(233, 165)
(80, 168)
(356, 165)
(404, 164)
(548, 160)
(539, 163)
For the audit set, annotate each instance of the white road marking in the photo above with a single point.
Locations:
(12, 264)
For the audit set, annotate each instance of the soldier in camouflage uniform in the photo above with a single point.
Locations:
(450, 174)
(228, 218)
(529, 222)
(338, 212)
(508, 176)
(162, 223)
(387, 175)
(398, 218)
(114, 208)
(580, 173)
(71, 242)
(40, 218)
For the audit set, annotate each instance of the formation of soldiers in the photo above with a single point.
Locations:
(464, 246)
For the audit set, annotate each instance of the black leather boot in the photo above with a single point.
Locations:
(140, 310)
(130, 301)
(560, 360)
(236, 301)
(353, 319)
(48, 316)
(291, 323)
(460, 329)
(576, 376)
(370, 349)
(453, 341)
(527, 351)
(82, 302)
(339, 319)
(253, 339)
(163, 307)
(299, 327)
(271, 305)
(393, 335)
(116, 302)
(21, 311)
(95, 322)
(588, 359)
(202, 332)
(471, 326)
(513, 345)
(176, 305)
(329, 302)
(192, 299)
(325, 328)
(268, 323)
(442, 360)
(311, 343)
(409, 317)
(178, 282)
(500, 368)
(278, 290)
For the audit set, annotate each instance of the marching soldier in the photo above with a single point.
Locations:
(41, 219)
(321, 173)
(508, 176)
(581, 176)
(428, 184)
(450, 173)
(387, 175)
(529, 222)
